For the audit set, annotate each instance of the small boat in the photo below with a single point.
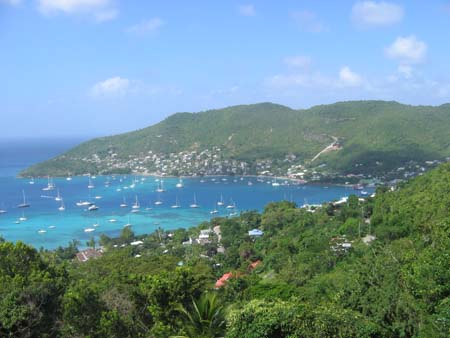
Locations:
(24, 204)
(89, 229)
(50, 185)
(23, 218)
(90, 185)
(194, 205)
(51, 227)
(158, 202)
(69, 178)
(31, 181)
(112, 220)
(275, 183)
(180, 184)
(42, 231)
(98, 197)
(249, 183)
(160, 187)
(176, 205)
(62, 207)
(93, 207)
(232, 205)
(95, 225)
(221, 202)
(136, 204)
(3, 211)
(84, 203)
(124, 203)
(58, 197)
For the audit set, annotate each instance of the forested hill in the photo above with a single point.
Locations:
(372, 133)
(311, 274)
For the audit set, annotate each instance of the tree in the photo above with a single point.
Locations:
(205, 317)
(91, 243)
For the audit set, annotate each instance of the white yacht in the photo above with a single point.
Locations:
(221, 202)
(93, 207)
(90, 185)
(176, 205)
(50, 185)
(160, 186)
(124, 203)
(62, 207)
(180, 184)
(194, 205)
(136, 204)
(58, 197)
(24, 203)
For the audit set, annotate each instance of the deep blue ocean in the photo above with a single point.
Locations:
(44, 225)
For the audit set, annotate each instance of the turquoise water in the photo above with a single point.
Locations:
(48, 227)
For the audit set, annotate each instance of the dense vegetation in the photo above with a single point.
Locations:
(307, 284)
(379, 135)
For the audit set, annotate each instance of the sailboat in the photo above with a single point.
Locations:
(124, 203)
(128, 224)
(24, 204)
(90, 185)
(160, 186)
(93, 207)
(3, 210)
(23, 218)
(179, 184)
(136, 206)
(194, 205)
(176, 205)
(275, 183)
(58, 197)
(158, 201)
(62, 207)
(50, 185)
(214, 211)
(221, 202)
(83, 203)
(31, 181)
(232, 205)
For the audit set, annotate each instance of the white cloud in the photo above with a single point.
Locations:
(408, 50)
(405, 71)
(315, 80)
(298, 61)
(348, 78)
(101, 10)
(146, 27)
(247, 10)
(114, 86)
(376, 13)
(107, 15)
(308, 21)
(11, 2)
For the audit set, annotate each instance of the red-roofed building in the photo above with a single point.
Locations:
(253, 265)
(222, 280)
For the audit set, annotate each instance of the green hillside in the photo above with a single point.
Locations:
(369, 131)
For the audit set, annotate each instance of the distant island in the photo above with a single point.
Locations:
(340, 142)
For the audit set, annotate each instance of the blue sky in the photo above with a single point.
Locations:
(99, 67)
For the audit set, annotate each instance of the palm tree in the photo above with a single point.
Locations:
(205, 318)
